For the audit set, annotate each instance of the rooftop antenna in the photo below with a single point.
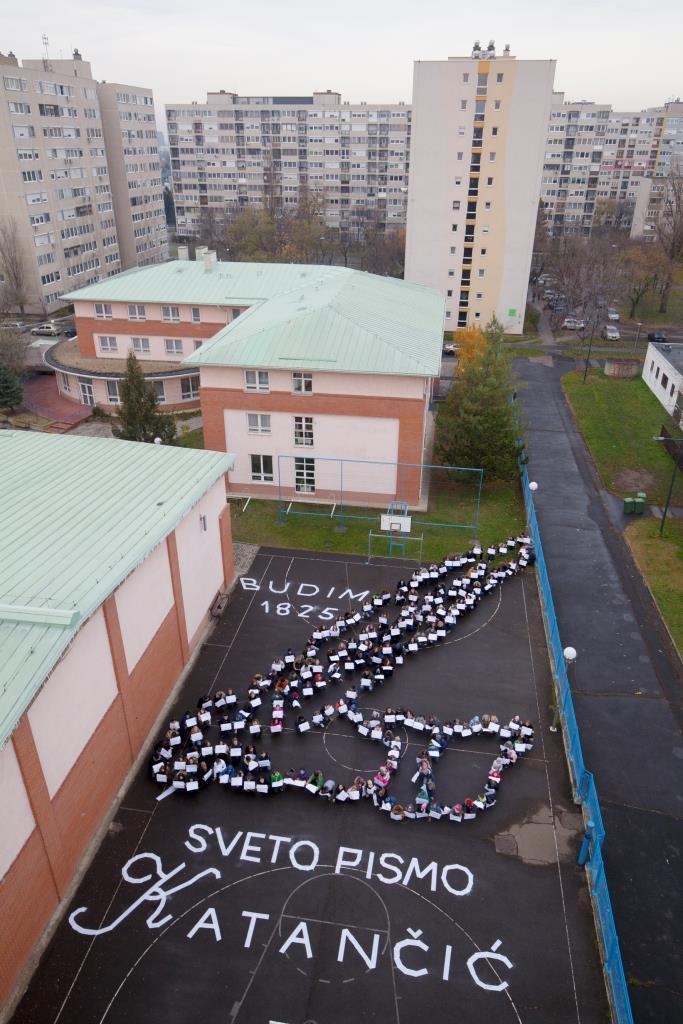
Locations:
(46, 54)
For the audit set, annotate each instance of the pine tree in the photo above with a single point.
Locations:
(477, 425)
(11, 390)
(139, 415)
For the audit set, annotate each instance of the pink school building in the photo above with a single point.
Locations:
(111, 555)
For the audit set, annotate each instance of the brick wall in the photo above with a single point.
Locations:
(87, 327)
(409, 412)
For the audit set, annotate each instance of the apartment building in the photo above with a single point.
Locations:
(652, 193)
(130, 139)
(233, 152)
(477, 148)
(58, 184)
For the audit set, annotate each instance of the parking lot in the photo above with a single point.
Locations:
(285, 907)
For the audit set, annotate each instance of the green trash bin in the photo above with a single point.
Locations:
(629, 506)
(642, 494)
(639, 506)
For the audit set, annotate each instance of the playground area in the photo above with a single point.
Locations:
(287, 907)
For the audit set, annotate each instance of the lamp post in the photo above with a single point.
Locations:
(635, 343)
(676, 440)
(594, 324)
(569, 655)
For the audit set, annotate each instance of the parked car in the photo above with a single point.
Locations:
(48, 330)
(69, 332)
(657, 336)
(13, 325)
(612, 313)
(610, 333)
(572, 323)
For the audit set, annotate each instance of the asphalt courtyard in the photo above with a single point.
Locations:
(254, 908)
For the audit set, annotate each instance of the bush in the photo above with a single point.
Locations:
(531, 319)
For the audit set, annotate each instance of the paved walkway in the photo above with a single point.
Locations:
(42, 398)
(628, 694)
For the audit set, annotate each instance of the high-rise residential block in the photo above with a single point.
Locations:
(233, 152)
(65, 199)
(478, 138)
(130, 139)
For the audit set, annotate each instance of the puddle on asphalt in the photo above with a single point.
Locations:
(533, 841)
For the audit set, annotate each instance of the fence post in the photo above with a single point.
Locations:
(586, 843)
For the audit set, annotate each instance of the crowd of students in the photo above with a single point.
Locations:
(220, 741)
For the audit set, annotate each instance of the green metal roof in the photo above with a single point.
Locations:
(77, 515)
(300, 316)
(346, 321)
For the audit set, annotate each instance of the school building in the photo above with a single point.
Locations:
(295, 367)
(111, 555)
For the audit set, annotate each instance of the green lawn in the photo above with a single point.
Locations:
(191, 439)
(660, 559)
(501, 514)
(618, 419)
(648, 309)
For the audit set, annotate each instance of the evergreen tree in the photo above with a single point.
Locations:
(139, 414)
(11, 390)
(477, 425)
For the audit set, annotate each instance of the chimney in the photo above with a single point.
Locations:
(77, 55)
(209, 260)
(183, 252)
(199, 251)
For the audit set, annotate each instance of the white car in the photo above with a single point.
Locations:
(610, 333)
(572, 323)
(612, 313)
(48, 330)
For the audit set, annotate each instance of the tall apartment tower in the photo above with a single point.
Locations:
(237, 151)
(478, 139)
(130, 139)
(58, 183)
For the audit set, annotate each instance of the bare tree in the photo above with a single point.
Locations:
(12, 267)
(669, 232)
(13, 351)
(589, 274)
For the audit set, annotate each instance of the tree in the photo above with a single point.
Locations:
(643, 266)
(10, 389)
(589, 274)
(478, 425)
(13, 351)
(251, 235)
(12, 267)
(169, 206)
(471, 342)
(139, 416)
(669, 232)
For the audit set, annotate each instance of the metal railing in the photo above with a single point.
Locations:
(583, 785)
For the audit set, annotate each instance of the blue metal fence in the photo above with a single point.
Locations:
(583, 785)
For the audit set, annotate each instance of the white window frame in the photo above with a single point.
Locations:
(258, 423)
(159, 390)
(141, 345)
(304, 475)
(108, 343)
(300, 380)
(66, 382)
(173, 346)
(170, 314)
(303, 432)
(256, 380)
(86, 391)
(261, 475)
(116, 398)
(196, 315)
(193, 388)
(103, 311)
(134, 311)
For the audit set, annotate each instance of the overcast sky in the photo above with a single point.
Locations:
(625, 53)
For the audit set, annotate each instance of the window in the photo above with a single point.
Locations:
(141, 345)
(16, 84)
(664, 381)
(235, 312)
(480, 273)
(262, 468)
(452, 250)
(492, 156)
(671, 391)
(65, 382)
(489, 181)
(256, 380)
(174, 346)
(449, 293)
(113, 392)
(304, 475)
(479, 295)
(303, 431)
(494, 131)
(197, 343)
(499, 77)
(657, 374)
(258, 422)
(196, 315)
(302, 383)
(171, 314)
(463, 104)
(496, 104)
(108, 343)
(136, 312)
(459, 156)
(189, 387)
(487, 206)
(86, 390)
(159, 391)
(454, 227)
(102, 311)
(448, 314)
(465, 76)
(482, 252)
(456, 204)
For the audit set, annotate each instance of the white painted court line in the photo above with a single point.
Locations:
(552, 811)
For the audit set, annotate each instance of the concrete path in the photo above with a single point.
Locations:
(627, 689)
(42, 398)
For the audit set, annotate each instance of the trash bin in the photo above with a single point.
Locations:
(628, 506)
(642, 494)
(639, 506)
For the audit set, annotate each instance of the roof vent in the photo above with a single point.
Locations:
(210, 260)
(183, 252)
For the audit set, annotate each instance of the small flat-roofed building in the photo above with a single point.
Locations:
(111, 555)
(663, 374)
